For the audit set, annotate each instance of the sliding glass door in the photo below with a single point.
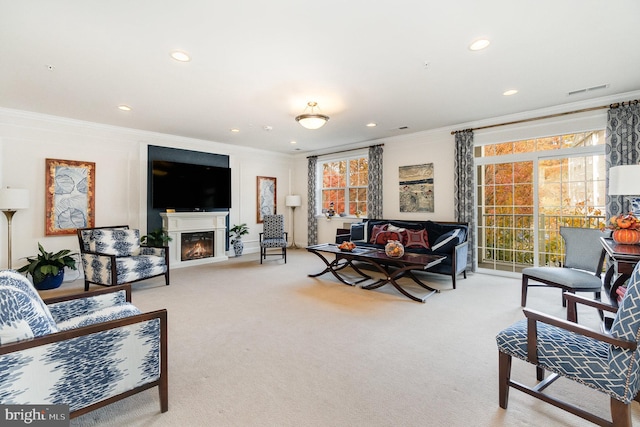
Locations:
(528, 189)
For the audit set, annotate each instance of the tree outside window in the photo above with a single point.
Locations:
(527, 189)
(344, 182)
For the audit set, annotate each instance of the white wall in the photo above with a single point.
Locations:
(27, 139)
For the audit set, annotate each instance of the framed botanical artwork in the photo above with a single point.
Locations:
(69, 197)
(266, 187)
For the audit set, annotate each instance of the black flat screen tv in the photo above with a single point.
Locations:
(190, 187)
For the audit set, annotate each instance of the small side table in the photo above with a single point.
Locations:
(623, 259)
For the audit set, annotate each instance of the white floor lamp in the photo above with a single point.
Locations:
(12, 199)
(293, 201)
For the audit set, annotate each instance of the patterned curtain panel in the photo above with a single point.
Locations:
(464, 197)
(312, 222)
(622, 148)
(374, 190)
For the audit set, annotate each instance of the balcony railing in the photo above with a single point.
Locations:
(507, 241)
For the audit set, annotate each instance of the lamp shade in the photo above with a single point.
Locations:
(312, 121)
(293, 201)
(13, 199)
(624, 180)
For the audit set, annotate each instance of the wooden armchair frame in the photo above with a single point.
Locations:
(112, 258)
(161, 315)
(620, 412)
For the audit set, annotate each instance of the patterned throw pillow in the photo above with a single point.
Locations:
(401, 231)
(375, 230)
(115, 242)
(384, 236)
(417, 239)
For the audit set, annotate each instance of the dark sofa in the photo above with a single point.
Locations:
(427, 237)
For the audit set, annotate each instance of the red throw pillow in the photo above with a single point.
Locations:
(403, 237)
(375, 230)
(401, 231)
(384, 236)
(417, 239)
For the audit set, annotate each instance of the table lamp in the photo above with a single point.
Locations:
(12, 199)
(625, 181)
(293, 201)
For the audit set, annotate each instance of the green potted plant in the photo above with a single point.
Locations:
(156, 238)
(235, 233)
(47, 268)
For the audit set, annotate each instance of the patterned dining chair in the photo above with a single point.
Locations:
(273, 236)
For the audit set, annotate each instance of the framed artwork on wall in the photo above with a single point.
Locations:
(416, 188)
(266, 187)
(69, 196)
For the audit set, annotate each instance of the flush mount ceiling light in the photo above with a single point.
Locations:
(479, 44)
(312, 120)
(124, 107)
(180, 55)
(510, 92)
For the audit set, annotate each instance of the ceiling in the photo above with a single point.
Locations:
(256, 64)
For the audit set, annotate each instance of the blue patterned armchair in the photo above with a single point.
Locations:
(607, 362)
(113, 256)
(273, 236)
(85, 350)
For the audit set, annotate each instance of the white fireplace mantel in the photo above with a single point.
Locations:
(176, 223)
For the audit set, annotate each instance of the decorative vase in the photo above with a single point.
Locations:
(50, 281)
(626, 236)
(394, 249)
(238, 247)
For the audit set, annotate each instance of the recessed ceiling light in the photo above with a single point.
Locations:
(294, 142)
(124, 107)
(479, 44)
(510, 92)
(234, 130)
(180, 55)
(372, 125)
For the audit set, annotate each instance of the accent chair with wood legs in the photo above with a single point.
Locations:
(273, 236)
(606, 362)
(85, 350)
(581, 269)
(113, 256)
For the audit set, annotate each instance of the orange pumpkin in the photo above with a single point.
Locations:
(626, 236)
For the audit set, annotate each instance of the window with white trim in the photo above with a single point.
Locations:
(343, 181)
(528, 188)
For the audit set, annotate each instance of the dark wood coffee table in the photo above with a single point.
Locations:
(392, 269)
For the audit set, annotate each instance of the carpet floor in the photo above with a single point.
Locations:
(265, 345)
